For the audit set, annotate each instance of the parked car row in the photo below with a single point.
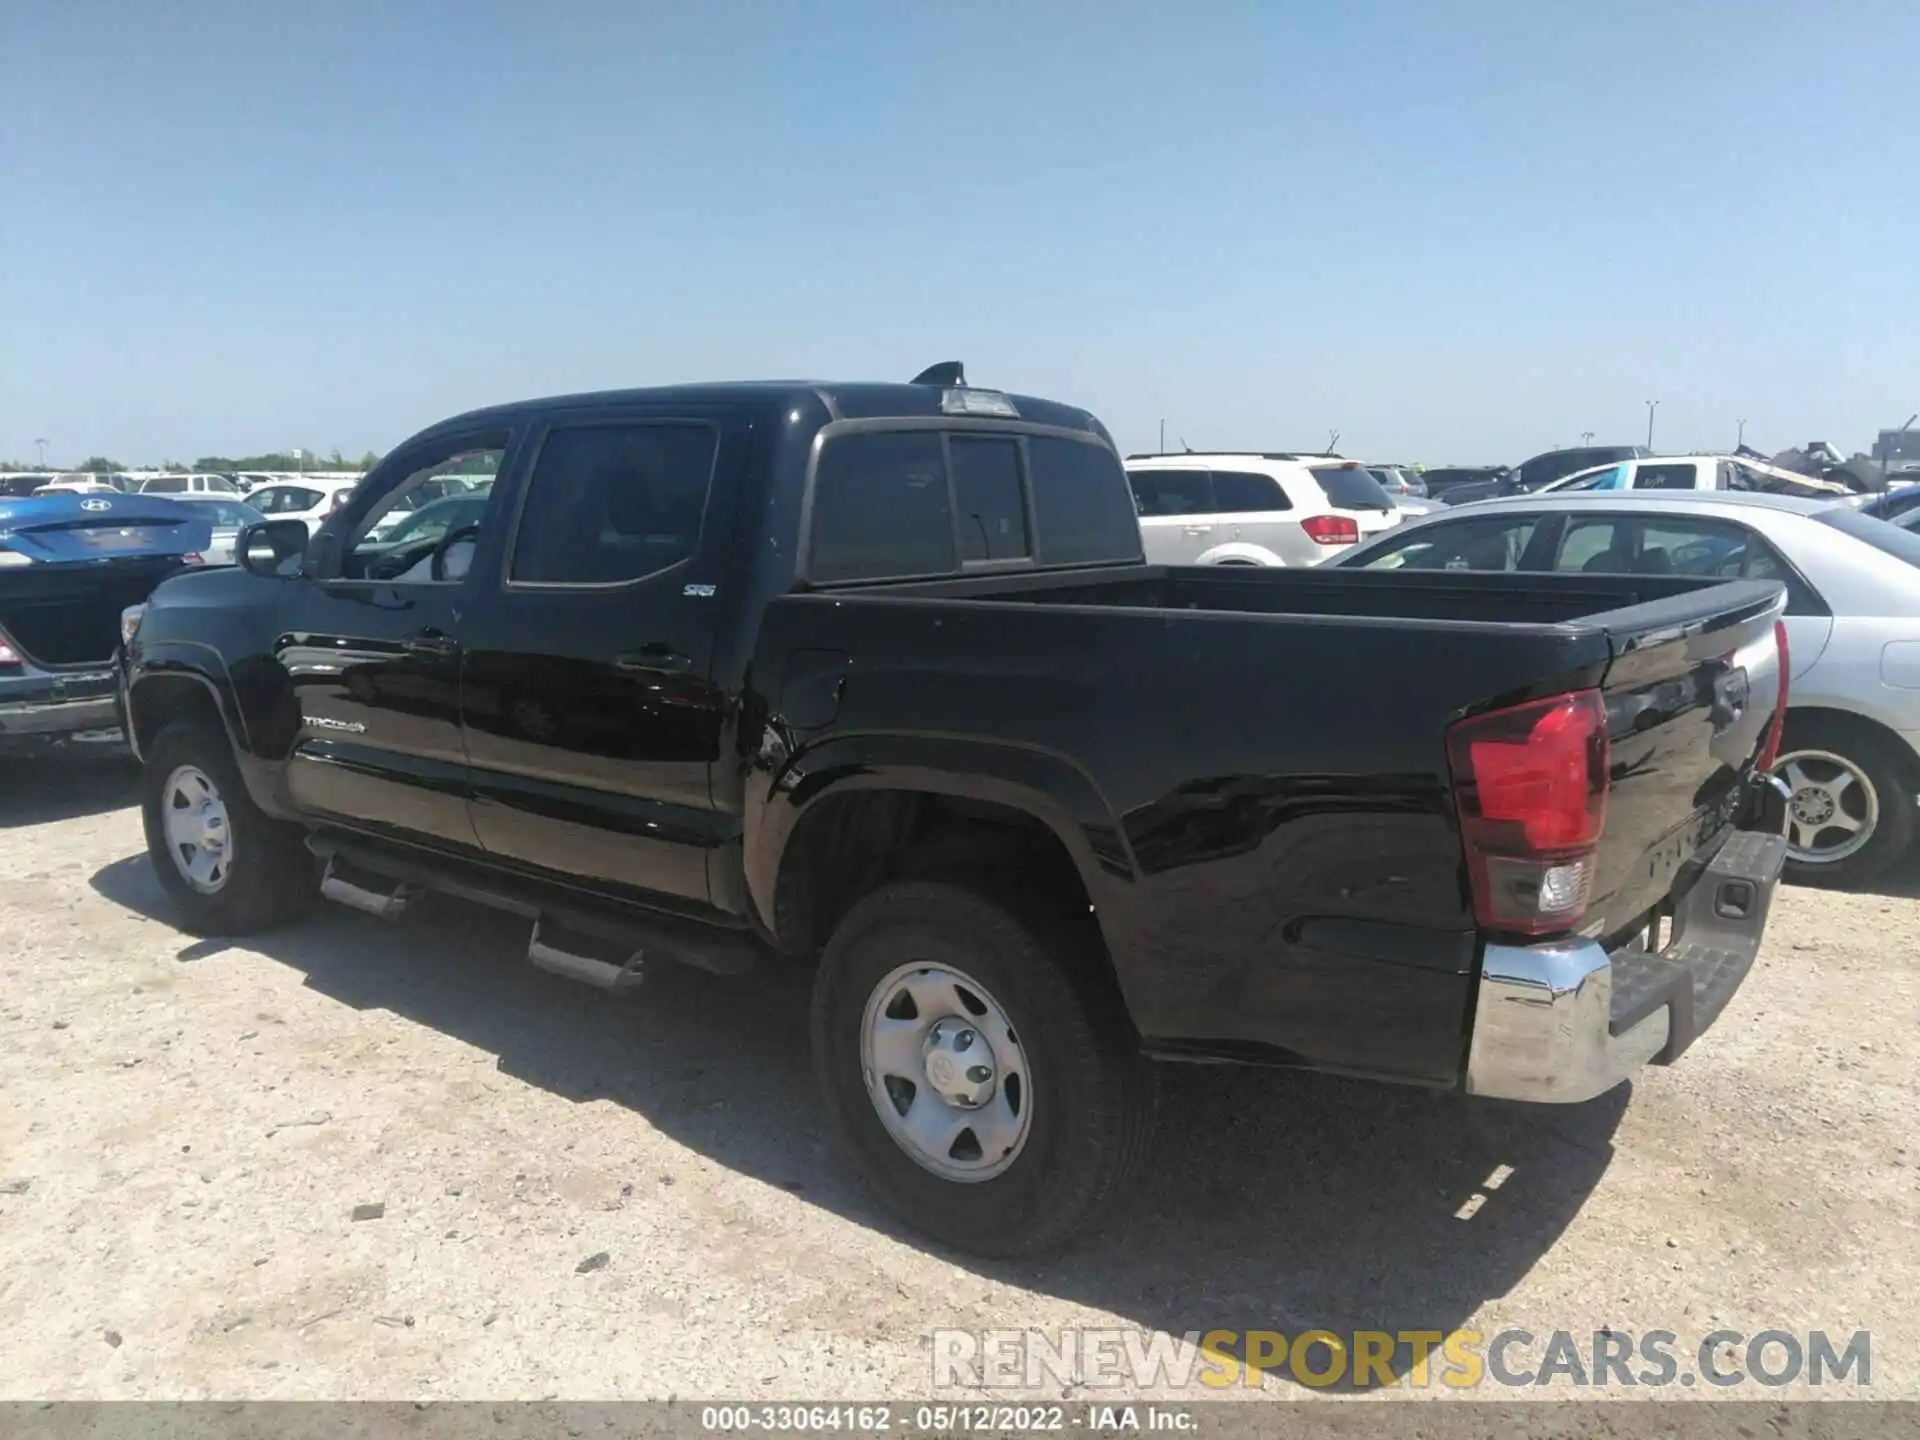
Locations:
(1851, 749)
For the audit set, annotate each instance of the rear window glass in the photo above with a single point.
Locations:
(880, 508)
(1080, 503)
(1894, 540)
(986, 489)
(1664, 477)
(1351, 488)
(1238, 492)
(166, 485)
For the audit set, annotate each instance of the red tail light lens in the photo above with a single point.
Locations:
(1331, 529)
(1770, 747)
(9, 657)
(1531, 786)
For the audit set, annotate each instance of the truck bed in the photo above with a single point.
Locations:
(1259, 759)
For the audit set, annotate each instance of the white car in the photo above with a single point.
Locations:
(1851, 751)
(178, 485)
(1250, 509)
(311, 499)
(79, 485)
(230, 517)
(1697, 472)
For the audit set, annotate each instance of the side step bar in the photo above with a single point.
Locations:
(579, 936)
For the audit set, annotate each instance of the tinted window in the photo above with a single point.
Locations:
(1664, 477)
(1894, 540)
(610, 503)
(1349, 487)
(1238, 492)
(232, 512)
(1080, 503)
(993, 511)
(1489, 544)
(1623, 546)
(165, 485)
(1172, 492)
(880, 508)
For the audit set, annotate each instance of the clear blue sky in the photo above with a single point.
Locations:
(1453, 232)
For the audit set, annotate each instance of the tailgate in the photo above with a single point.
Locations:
(1691, 694)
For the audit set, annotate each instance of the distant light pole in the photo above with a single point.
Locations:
(1652, 405)
(43, 453)
(1163, 437)
(1586, 437)
(1740, 440)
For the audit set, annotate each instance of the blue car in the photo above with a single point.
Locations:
(69, 565)
(1894, 504)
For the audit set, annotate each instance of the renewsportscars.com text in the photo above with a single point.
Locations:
(1410, 1359)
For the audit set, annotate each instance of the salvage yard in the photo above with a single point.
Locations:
(352, 1160)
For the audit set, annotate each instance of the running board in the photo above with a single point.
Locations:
(576, 934)
(387, 905)
(589, 969)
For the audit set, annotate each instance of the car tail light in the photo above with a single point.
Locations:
(1331, 529)
(1531, 785)
(193, 557)
(1770, 748)
(9, 657)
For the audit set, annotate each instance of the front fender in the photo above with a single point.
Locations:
(1038, 783)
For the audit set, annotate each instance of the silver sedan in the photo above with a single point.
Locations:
(1851, 752)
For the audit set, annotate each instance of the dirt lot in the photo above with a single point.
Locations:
(187, 1127)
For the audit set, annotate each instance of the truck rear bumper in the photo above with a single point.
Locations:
(1564, 1021)
(42, 709)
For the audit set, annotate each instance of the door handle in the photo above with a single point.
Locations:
(430, 642)
(1199, 529)
(654, 658)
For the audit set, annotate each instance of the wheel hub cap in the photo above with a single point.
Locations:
(959, 1064)
(198, 833)
(1813, 806)
(945, 1072)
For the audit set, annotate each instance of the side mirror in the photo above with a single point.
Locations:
(266, 548)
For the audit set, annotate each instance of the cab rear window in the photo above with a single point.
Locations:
(909, 504)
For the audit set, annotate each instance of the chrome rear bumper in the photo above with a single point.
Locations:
(1563, 1021)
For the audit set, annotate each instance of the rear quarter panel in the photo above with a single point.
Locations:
(1275, 862)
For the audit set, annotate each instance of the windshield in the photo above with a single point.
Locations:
(1349, 487)
(1892, 540)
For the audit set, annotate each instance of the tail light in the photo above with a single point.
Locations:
(193, 557)
(1770, 747)
(9, 657)
(1331, 529)
(1531, 786)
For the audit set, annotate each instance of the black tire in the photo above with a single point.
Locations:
(272, 875)
(1094, 1094)
(1893, 777)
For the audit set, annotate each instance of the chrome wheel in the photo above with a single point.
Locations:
(199, 838)
(1834, 808)
(945, 1072)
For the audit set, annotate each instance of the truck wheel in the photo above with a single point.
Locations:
(1851, 813)
(979, 1067)
(228, 866)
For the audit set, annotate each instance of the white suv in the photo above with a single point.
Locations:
(1242, 509)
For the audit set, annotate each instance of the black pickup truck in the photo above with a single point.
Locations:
(873, 676)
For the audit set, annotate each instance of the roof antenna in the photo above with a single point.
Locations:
(948, 373)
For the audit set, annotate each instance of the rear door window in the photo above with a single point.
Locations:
(990, 500)
(1172, 492)
(1242, 492)
(609, 504)
(880, 508)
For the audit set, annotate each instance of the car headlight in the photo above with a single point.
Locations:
(130, 623)
(10, 558)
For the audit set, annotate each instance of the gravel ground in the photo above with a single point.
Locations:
(583, 1197)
